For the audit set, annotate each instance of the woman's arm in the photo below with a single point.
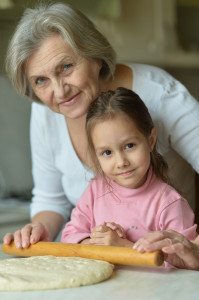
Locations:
(44, 227)
(48, 192)
(179, 251)
(49, 206)
(179, 113)
(52, 221)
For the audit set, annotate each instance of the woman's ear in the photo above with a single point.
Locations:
(152, 138)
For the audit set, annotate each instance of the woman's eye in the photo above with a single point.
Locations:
(106, 153)
(40, 81)
(129, 146)
(66, 67)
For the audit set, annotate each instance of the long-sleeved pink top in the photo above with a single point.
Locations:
(154, 206)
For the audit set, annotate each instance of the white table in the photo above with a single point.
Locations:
(127, 283)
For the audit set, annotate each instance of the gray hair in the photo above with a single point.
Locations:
(43, 21)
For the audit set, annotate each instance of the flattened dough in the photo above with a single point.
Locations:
(51, 272)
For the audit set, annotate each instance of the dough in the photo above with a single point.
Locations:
(51, 272)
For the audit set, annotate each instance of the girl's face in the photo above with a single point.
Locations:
(122, 150)
(61, 79)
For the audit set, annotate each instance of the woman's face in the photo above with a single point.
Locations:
(61, 79)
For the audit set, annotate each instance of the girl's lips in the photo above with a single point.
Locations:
(126, 174)
(69, 101)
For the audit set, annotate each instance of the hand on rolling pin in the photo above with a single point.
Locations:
(104, 235)
(112, 225)
(116, 227)
(29, 234)
(178, 250)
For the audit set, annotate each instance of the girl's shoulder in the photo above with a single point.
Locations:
(167, 193)
(159, 187)
(99, 184)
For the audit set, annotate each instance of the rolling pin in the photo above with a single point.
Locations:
(112, 254)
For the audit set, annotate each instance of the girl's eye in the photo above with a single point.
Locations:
(106, 153)
(129, 146)
(40, 81)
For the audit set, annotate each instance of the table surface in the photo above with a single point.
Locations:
(128, 283)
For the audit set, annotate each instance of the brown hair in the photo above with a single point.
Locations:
(127, 102)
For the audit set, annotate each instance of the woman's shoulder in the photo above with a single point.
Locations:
(42, 113)
(151, 83)
(154, 85)
(40, 108)
(149, 73)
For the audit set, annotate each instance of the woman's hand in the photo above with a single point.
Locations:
(179, 251)
(27, 235)
(104, 235)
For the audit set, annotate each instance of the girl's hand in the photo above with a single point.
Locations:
(85, 241)
(29, 234)
(179, 251)
(104, 235)
(116, 227)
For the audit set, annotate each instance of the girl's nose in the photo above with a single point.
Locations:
(121, 160)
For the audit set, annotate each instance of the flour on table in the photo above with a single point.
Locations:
(51, 272)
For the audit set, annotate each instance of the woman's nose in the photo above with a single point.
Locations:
(59, 89)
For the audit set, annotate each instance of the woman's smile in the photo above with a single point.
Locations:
(70, 101)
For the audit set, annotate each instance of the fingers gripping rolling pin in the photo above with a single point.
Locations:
(114, 255)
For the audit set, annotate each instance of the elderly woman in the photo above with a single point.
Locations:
(58, 58)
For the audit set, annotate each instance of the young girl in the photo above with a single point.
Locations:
(130, 195)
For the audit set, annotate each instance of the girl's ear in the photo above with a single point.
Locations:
(152, 138)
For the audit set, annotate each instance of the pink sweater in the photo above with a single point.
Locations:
(154, 206)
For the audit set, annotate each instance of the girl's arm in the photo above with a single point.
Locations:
(82, 220)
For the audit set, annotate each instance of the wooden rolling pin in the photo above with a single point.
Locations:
(114, 255)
